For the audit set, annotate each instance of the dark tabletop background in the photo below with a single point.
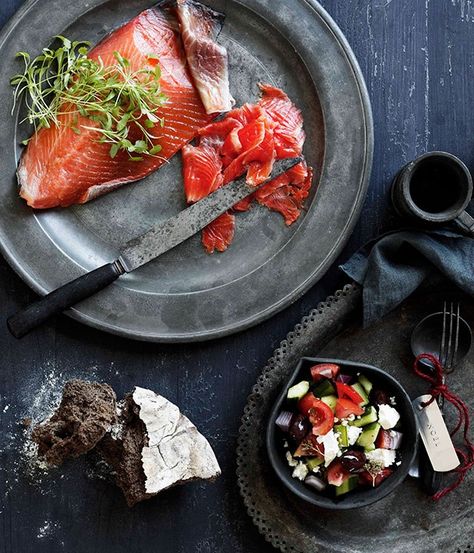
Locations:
(417, 57)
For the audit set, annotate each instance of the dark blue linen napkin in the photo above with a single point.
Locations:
(391, 267)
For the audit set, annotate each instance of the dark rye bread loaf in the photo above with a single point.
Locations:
(123, 452)
(86, 412)
(147, 442)
(155, 447)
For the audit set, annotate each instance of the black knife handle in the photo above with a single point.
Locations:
(61, 299)
(431, 480)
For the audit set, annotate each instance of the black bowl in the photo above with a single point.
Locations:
(356, 498)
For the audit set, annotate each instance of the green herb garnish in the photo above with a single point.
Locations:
(120, 102)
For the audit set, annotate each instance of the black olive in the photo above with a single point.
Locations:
(299, 428)
(353, 460)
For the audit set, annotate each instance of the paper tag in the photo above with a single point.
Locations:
(435, 435)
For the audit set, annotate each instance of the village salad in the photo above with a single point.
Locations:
(340, 432)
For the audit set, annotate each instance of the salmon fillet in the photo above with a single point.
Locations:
(60, 167)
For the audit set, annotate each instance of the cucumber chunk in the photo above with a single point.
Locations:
(348, 485)
(361, 391)
(368, 417)
(324, 388)
(343, 438)
(314, 462)
(298, 390)
(367, 385)
(331, 401)
(368, 436)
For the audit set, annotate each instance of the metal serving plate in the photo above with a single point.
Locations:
(407, 520)
(187, 295)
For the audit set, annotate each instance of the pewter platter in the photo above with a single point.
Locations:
(187, 295)
(405, 521)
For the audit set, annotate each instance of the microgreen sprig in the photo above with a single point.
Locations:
(118, 101)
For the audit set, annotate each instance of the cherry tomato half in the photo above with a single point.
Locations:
(345, 407)
(344, 390)
(321, 417)
(324, 370)
(309, 447)
(336, 473)
(374, 480)
(306, 402)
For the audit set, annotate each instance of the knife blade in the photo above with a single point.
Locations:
(177, 229)
(138, 251)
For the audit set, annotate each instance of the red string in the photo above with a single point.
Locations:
(439, 388)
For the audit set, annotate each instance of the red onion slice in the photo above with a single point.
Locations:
(388, 439)
(344, 378)
(283, 420)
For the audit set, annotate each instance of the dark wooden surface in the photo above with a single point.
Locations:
(417, 58)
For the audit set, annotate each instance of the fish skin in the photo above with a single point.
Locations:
(61, 168)
(207, 60)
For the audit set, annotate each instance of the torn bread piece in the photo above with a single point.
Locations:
(155, 447)
(86, 412)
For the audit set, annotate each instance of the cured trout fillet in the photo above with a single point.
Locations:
(60, 167)
(248, 140)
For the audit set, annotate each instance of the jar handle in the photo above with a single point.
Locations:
(466, 223)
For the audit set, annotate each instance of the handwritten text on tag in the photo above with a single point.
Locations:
(435, 435)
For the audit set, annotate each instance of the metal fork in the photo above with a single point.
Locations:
(449, 340)
(448, 350)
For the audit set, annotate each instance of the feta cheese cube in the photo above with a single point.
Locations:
(388, 416)
(331, 446)
(383, 457)
(291, 460)
(353, 432)
(300, 471)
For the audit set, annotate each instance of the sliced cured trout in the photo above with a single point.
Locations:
(247, 141)
(207, 60)
(286, 193)
(289, 135)
(202, 171)
(60, 167)
(219, 234)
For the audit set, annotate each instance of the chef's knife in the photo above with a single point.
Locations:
(139, 251)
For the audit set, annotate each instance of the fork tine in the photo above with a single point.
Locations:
(448, 363)
(453, 336)
(442, 351)
(457, 322)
